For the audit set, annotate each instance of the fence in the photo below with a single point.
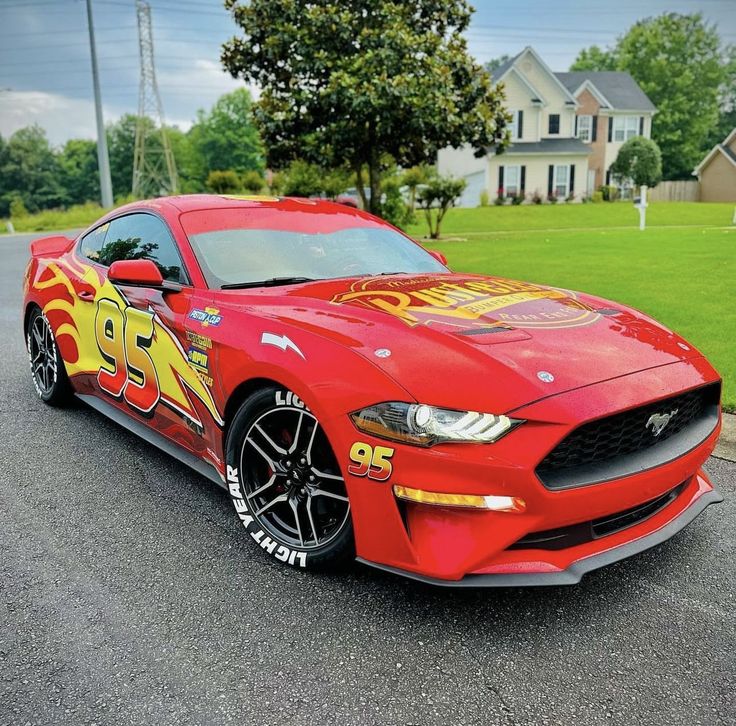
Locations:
(675, 191)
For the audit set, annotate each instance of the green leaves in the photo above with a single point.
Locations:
(345, 83)
(640, 160)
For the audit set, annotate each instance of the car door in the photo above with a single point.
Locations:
(143, 366)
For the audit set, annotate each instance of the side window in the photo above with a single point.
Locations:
(92, 243)
(142, 237)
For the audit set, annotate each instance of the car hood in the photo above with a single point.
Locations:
(478, 342)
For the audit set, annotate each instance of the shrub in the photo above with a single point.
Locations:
(223, 182)
(439, 194)
(537, 198)
(500, 198)
(640, 160)
(517, 199)
(17, 208)
(302, 180)
(484, 199)
(597, 197)
(570, 197)
(552, 198)
(610, 192)
(252, 182)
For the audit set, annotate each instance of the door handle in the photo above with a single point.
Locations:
(86, 295)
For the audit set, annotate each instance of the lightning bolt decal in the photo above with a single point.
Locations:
(281, 341)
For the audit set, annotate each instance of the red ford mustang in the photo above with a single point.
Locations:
(357, 398)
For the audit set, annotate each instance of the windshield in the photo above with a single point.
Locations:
(237, 252)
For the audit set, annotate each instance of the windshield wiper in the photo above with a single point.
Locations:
(271, 282)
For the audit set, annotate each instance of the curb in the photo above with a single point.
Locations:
(726, 446)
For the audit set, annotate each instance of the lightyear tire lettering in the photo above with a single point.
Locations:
(285, 483)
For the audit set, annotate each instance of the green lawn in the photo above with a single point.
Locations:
(685, 276)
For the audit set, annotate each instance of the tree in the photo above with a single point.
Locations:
(640, 160)
(302, 180)
(436, 198)
(495, 63)
(679, 63)
(79, 173)
(595, 59)
(30, 171)
(121, 146)
(225, 137)
(359, 84)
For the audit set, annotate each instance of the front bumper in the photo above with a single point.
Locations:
(461, 547)
(523, 574)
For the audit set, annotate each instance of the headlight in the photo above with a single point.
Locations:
(423, 425)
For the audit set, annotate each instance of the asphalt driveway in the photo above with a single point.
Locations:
(129, 594)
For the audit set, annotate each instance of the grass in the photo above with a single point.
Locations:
(79, 215)
(681, 270)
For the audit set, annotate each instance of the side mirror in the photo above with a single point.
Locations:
(138, 273)
(438, 256)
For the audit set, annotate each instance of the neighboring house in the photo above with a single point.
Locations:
(566, 131)
(717, 172)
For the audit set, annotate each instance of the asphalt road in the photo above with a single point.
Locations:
(129, 594)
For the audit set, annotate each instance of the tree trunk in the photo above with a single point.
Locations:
(359, 185)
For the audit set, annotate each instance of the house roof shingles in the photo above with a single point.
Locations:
(619, 88)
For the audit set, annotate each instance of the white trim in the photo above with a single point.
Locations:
(718, 147)
(588, 85)
(626, 112)
(545, 67)
(729, 138)
(535, 93)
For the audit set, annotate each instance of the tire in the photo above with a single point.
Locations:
(47, 366)
(286, 484)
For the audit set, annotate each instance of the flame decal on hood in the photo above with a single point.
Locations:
(73, 321)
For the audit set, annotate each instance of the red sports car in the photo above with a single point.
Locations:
(357, 398)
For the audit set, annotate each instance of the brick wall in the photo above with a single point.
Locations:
(597, 160)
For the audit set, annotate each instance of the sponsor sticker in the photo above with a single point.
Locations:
(207, 317)
(371, 461)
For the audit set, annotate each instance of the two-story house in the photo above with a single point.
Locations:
(566, 131)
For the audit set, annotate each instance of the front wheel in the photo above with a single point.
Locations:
(47, 367)
(286, 484)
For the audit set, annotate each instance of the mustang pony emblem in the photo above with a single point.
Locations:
(659, 421)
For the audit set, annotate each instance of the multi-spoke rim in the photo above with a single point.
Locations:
(42, 354)
(292, 480)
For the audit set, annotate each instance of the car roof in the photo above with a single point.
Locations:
(198, 202)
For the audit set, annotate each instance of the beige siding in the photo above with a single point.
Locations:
(718, 180)
(537, 169)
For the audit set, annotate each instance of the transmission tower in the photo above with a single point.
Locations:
(154, 169)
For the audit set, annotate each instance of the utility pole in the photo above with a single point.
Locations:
(103, 160)
(154, 168)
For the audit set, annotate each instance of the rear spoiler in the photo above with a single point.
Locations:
(51, 246)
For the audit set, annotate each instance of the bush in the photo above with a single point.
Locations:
(537, 198)
(500, 198)
(552, 198)
(17, 208)
(440, 193)
(484, 199)
(393, 207)
(597, 197)
(302, 180)
(640, 160)
(252, 182)
(517, 199)
(223, 182)
(610, 192)
(570, 197)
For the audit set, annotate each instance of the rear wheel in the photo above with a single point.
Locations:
(47, 367)
(286, 484)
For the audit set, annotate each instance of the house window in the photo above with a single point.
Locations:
(554, 123)
(624, 127)
(562, 180)
(516, 127)
(585, 128)
(512, 181)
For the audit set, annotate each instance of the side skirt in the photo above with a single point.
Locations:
(152, 437)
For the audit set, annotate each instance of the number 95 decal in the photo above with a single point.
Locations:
(373, 462)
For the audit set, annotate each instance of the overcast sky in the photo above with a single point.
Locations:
(45, 68)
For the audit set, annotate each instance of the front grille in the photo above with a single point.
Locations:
(575, 534)
(625, 442)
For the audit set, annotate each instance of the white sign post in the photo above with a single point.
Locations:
(642, 207)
